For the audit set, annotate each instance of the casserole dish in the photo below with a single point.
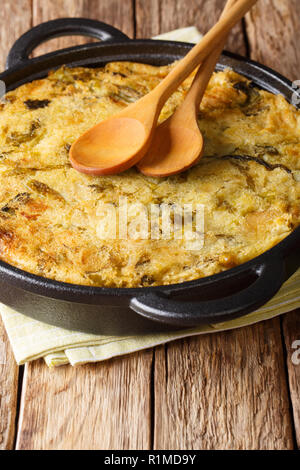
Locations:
(216, 298)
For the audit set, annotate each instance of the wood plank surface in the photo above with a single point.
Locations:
(155, 17)
(8, 392)
(117, 13)
(223, 391)
(102, 406)
(291, 328)
(273, 28)
(204, 404)
(8, 367)
(20, 13)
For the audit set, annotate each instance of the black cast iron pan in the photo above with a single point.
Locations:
(217, 298)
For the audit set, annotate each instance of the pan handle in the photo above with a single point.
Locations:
(23, 47)
(156, 306)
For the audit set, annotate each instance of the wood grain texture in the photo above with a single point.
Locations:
(8, 392)
(20, 12)
(156, 16)
(223, 391)
(273, 27)
(291, 329)
(102, 406)
(115, 12)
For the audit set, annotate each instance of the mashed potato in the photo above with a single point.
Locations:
(55, 222)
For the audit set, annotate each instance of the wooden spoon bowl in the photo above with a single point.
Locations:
(174, 149)
(92, 152)
(178, 143)
(120, 142)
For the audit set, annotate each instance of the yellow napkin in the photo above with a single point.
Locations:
(188, 34)
(31, 339)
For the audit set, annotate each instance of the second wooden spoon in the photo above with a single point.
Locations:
(120, 142)
(178, 143)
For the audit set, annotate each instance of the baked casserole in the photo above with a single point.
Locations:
(53, 219)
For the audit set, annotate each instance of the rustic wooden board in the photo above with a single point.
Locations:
(102, 406)
(118, 13)
(8, 367)
(8, 392)
(291, 328)
(273, 29)
(20, 12)
(223, 391)
(156, 17)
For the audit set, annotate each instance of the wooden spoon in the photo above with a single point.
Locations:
(119, 142)
(178, 143)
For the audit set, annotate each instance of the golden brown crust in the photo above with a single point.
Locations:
(247, 181)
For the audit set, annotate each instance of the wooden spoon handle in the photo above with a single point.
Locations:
(205, 71)
(201, 50)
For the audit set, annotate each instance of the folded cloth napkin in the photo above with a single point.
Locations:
(31, 339)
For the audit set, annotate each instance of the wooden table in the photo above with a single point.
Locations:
(234, 390)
